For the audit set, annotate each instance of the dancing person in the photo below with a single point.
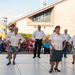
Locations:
(57, 47)
(6, 37)
(73, 47)
(39, 37)
(14, 41)
(67, 37)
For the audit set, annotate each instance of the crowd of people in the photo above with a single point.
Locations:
(56, 45)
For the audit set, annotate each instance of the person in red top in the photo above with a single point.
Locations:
(30, 45)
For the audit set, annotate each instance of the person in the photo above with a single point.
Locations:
(73, 47)
(6, 37)
(14, 41)
(30, 45)
(47, 46)
(57, 47)
(0, 43)
(42, 48)
(67, 37)
(39, 37)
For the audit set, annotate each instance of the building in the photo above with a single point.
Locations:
(61, 13)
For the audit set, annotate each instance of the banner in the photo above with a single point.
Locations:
(2, 27)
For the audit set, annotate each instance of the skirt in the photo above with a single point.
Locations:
(13, 50)
(56, 56)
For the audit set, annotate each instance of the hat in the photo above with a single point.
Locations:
(10, 28)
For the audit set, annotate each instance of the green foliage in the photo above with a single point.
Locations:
(28, 36)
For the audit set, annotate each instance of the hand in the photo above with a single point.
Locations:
(19, 43)
(34, 40)
(63, 47)
(53, 47)
(9, 41)
(72, 46)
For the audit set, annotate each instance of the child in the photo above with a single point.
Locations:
(73, 47)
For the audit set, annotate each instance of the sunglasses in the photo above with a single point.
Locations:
(16, 30)
(11, 29)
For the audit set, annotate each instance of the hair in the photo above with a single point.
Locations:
(16, 28)
(38, 26)
(53, 30)
(10, 28)
(65, 29)
(57, 27)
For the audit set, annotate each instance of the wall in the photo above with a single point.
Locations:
(65, 16)
(24, 28)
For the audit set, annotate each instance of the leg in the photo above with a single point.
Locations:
(56, 67)
(52, 65)
(36, 43)
(57, 63)
(65, 51)
(9, 56)
(14, 57)
(40, 44)
(43, 50)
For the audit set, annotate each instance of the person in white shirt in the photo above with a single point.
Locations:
(6, 37)
(39, 37)
(73, 47)
(14, 40)
(67, 37)
(57, 47)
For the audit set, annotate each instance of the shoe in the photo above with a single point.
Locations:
(65, 57)
(72, 62)
(34, 57)
(57, 70)
(39, 57)
(9, 63)
(50, 71)
(13, 63)
(6, 57)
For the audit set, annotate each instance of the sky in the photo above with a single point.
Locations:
(13, 9)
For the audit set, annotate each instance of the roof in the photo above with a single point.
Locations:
(36, 12)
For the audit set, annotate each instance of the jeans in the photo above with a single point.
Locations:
(65, 50)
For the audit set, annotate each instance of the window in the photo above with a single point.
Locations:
(42, 17)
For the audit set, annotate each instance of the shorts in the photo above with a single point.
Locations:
(13, 50)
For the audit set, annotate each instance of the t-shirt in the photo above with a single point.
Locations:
(46, 45)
